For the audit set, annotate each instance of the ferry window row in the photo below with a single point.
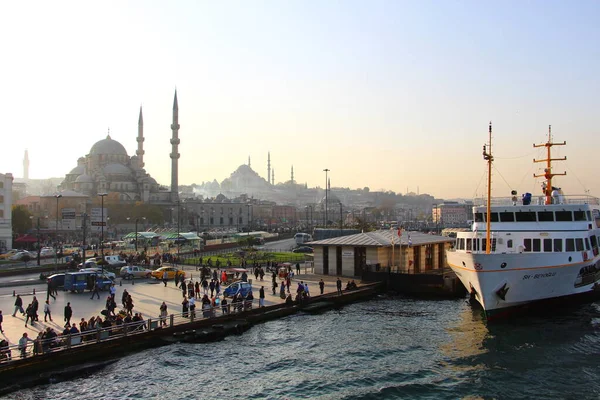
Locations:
(530, 245)
(533, 216)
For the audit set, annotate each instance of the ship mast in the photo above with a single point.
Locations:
(548, 170)
(487, 155)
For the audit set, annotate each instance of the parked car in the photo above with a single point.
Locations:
(47, 252)
(8, 254)
(21, 254)
(135, 271)
(171, 272)
(115, 261)
(57, 280)
(237, 287)
(85, 280)
(99, 270)
(303, 249)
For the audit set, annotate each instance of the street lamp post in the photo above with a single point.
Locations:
(38, 240)
(326, 219)
(58, 196)
(102, 228)
(83, 225)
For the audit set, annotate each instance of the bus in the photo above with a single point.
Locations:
(302, 238)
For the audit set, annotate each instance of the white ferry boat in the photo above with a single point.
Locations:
(522, 251)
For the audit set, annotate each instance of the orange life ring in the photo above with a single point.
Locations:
(478, 266)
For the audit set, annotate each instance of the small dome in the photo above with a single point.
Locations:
(78, 170)
(85, 178)
(108, 146)
(117, 169)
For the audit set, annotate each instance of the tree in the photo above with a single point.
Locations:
(21, 223)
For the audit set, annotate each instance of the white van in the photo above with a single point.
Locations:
(115, 261)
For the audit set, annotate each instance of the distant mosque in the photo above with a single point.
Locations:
(108, 169)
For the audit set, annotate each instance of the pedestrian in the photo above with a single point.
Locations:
(50, 290)
(192, 304)
(217, 287)
(197, 287)
(261, 297)
(185, 306)
(47, 313)
(338, 284)
(306, 289)
(68, 314)
(35, 306)
(124, 297)
(96, 291)
(163, 313)
(18, 305)
(204, 288)
(321, 285)
(274, 288)
(183, 288)
(23, 345)
(176, 280)
(113, 291)
(1, 319)
(211, 285)
(29, 315)
(297, 268)
(165, 278)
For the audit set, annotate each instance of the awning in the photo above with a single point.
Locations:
(182, 235)
(141, 235)
(26, 239)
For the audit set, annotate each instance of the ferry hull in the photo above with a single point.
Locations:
(504, 283)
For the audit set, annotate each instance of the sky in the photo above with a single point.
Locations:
(392, 95)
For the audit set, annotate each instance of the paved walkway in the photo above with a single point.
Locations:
(147, 297)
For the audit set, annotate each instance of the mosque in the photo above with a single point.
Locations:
(108, 169)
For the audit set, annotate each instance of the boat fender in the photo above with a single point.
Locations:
(478, 267)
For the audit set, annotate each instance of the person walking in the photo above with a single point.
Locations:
(23, 345)
(19, 305)
(29, 315)
(183, 288)
(96, 291)
(338, 284)
(47, 313)
(297, 268)
(50, 291)
(1, 320)
(163, 314)
(192, 304)
(176, 280)
(211, 286)
(185, 307)
(35, 305)
(113, 291)
(274, 288)
(68, 314)
(165, 278)
(321, 286)
(261, 297)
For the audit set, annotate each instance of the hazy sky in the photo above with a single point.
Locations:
(386, 94)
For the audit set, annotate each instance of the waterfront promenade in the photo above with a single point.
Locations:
(147, 295)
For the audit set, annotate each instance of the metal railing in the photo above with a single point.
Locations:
(539, 200)
(35, 347)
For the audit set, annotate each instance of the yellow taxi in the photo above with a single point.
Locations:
(8, 254)
(171, 272)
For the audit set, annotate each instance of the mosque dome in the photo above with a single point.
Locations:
(108, 146)
(78, 170)
(331, 199)
(116, 169)
(85, 178)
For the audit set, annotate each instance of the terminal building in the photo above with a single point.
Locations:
(384, 250)
(6, 188)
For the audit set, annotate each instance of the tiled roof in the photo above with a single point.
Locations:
(381, 238)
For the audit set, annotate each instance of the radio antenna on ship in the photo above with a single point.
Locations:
(487, 155)
(548, 175)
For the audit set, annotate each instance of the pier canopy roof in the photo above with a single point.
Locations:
(382, 238)
(181, 235)
(141, 235)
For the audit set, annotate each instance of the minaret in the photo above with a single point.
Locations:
(273, 176)
(269, 167)
(26, 165)
(140, 139)
(292, 174)
(174, 154)
(249, 164)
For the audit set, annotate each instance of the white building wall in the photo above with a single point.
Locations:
(6, 182)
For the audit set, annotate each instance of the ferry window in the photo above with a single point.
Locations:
(483, 245)
(478, 217)
(564, 216)
(570, 244)
(545, 216)
(469, 241)
(537, 245)
(579, 215)
(525, 216)
(527, 245)
(594, 241)
(557, 245)
(507, 217)
(589, 215)
(475, 244)
(587, 244)
(548, 245)
(494, 217)
(461, 244)
(509, 243)
(579, 244)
